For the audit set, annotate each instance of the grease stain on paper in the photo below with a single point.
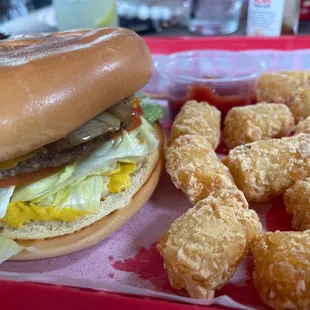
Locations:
(148, 265)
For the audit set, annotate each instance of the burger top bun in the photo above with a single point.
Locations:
(53, 83)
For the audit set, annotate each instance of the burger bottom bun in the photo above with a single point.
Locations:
(55, 238)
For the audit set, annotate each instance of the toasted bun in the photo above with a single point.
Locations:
(116, 209)
(52, 84)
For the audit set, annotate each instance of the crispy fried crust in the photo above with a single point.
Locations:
(203, 248)
(198, 118)
(300, 104)
(195, 169)
(266, 169)
(279, 86)
(261, 121)
(303, 126)
(289, 87)
(297, 204)
(282, 269)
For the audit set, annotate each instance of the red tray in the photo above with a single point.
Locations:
(171, 45)
(14, 295)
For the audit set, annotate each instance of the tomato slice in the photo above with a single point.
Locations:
(136, 122)
(136, 113)
(27, 178)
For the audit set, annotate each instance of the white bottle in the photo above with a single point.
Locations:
(265, 17)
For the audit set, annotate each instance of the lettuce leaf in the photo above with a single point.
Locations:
(5, 196)
(84, 196)
(54, 199)
(29, 192)
(9, 248)
(140, 95)
(152, 111)
(78, 185)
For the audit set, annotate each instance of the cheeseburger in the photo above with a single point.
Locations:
(77, 141)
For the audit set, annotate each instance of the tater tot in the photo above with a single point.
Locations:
(282, 269)
(266, 169)
(195, 169)
(261, 121)
(279, 86)
(300, 104)
(198, 118)
(203, 248)
(303, 126)
(297, 202)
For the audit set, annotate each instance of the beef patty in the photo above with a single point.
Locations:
(48, 158)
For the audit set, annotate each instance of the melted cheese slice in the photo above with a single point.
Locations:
(12, 163)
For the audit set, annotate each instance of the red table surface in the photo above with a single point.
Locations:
(14, 295)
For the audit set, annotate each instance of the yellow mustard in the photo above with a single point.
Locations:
(120, 180)
(20, 213)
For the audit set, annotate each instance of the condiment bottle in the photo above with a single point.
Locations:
(272, 17)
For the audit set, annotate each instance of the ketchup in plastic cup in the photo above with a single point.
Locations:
(223, 79)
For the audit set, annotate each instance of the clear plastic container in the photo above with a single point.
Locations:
(223, 79)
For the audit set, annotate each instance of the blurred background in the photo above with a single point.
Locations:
(159, 17)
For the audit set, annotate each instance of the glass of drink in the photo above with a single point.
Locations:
(213, 17)
(10, 9)
(78, 14)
